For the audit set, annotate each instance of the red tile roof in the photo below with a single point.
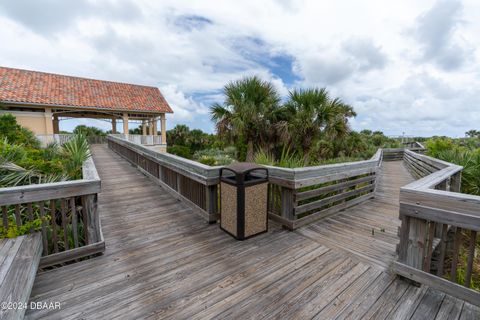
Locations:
(24, 86)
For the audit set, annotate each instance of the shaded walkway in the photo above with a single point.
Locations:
(162, 261)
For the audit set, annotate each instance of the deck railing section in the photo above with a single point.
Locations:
(66, 213)
(46, 139)
(140, 139)
(296, 196)
(191, 181)
(439, 228)
(300, 196)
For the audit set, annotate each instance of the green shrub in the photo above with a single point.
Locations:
(88, 131)
(16, 134)
(180, 151)
(437, 145)
(216, 157)
(74, 153)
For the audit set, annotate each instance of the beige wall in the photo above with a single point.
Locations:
(34, 121)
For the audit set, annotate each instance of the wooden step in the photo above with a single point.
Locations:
(19, 259)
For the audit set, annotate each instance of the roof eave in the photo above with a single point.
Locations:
(10, 102)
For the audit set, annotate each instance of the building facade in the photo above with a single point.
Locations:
(40, 100)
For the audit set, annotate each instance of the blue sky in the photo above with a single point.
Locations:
(410, 66)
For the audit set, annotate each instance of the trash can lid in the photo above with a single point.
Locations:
(242, 167)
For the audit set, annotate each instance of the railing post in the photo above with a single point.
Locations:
(456, 182)
(212, 202)
(287, 210)
(416, 243)
(93, 225)
(404, 231)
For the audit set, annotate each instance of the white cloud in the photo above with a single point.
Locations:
(411, 61)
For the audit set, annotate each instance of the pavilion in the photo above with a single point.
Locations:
(40, 100)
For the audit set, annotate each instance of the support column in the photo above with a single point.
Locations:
(163, 128)
(125, 123)
(144, 128)
(151, 127)
(114, 125)
(154, 126)
(56, 126)
(48, 121)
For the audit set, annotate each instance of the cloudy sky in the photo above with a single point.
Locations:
(405, 66)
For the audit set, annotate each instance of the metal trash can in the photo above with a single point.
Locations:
(243, 200)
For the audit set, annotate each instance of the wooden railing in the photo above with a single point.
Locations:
(66, 212)
(438, 235)
(188, 180)
(302, 195)
(296, 196)
(60, 139)
(140, 139)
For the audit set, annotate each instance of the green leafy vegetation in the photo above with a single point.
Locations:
(311, 125)
(23, 162)
(464, 152)
(216, 157)
(309, 128)
(88, 131)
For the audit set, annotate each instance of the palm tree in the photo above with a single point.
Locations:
(178, 135)
(314, 115)
(248, 111)
(472, 133)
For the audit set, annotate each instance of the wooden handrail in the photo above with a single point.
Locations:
(70, 206)
(340, 185)
(193, 182)
(435, 218)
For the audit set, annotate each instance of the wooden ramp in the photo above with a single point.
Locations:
(368, 230)
(162, 262)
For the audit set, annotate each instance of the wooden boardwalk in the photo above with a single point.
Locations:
(162, 262)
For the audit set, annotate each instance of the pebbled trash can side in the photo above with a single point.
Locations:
(243, 200)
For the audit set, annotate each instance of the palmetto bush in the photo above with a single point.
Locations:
(470, 161)
(22, 165)
(462, 153)
(75, 152)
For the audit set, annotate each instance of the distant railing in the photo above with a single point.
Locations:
(141, 139)
(191, 181)
(436, 220)
(397, 154)
(65, 211)
(60, 139)
(300, 196)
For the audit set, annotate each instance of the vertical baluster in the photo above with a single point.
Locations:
(5, 217)
(428, 256)
(471, 256)
(456, 252)
(85, 219)
(44, 228)
(18, 218)
(30, 214)
(443, 249)
(54, 225)
(64, 223)
(74, 221)
(287, 209)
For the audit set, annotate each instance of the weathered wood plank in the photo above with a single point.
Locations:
(438, 283)
(18, 273)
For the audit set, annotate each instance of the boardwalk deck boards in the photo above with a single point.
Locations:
(163, 261)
